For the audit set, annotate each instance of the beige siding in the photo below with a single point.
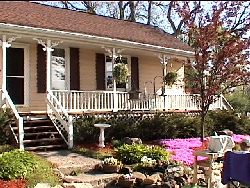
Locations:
(87, 70)
(1, 65)
(150, 67)
(37, 100)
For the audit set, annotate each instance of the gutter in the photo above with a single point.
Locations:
(92, 38)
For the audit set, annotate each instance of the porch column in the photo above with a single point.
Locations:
(164, 61)
(114, 82)
(113, 53)
(5, 44)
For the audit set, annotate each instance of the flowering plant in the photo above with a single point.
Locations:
(121, 73)
(111, 161)
(147, 161)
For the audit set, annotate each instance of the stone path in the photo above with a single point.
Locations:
(68, 162)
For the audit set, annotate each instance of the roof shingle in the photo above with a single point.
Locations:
(42, 16)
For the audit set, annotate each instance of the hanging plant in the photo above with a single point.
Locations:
(170, 78)
(121, 73)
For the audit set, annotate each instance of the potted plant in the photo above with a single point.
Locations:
(121, 73)
(170, 78)
(111, 165)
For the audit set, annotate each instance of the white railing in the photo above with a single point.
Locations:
(60, 118)
(6, 100)
(80, 101)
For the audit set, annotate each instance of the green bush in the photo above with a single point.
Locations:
(222, 119)
(84, 130)
(158, 127)
(6, 148)
(131, 154)
(6, 117)
(18, 164)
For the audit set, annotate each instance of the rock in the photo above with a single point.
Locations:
(72, 179)
(140, 177)
(42, 185)
(57, 186)
(169, 184)
(126, 183)
(180, 181)
(152, 179)
(126, 170)
(130, 141)
(77, 185)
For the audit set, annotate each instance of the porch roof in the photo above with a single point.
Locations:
(42, 16)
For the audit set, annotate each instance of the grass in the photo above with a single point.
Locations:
(95, 153)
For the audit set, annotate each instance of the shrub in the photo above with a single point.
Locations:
(18, 164)
(131, 154)
(6, 148)
(84, 130)
(222, 119)
(6, 117)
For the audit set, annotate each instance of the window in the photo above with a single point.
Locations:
(58, 69)
(109, 73)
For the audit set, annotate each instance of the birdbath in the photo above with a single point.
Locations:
(102, 126)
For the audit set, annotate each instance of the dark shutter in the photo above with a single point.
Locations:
(100, 71)
(134, 74)
(41, 69)
(74, 69)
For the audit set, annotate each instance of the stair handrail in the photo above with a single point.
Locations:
(226, 102)
(60, 113)
(7, 100)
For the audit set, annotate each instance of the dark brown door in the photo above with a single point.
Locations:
(15, 74)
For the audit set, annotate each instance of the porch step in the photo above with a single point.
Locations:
(35, 121)
(42, 140)
(40, 133)
(36, 148)
(38, 127)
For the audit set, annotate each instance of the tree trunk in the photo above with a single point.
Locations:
(132, 11)
(149, 12)
(202, 125)
(121, 10)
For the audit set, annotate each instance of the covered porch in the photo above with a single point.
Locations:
(84, 85)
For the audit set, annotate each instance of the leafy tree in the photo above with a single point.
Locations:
(240, 100)
(221, 57)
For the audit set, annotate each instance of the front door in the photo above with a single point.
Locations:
(15, 74)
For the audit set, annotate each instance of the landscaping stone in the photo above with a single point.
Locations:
(77, 185)
(42, 185)
(68, 162)
(153, 179)
(140, 177)
(130, 141)
(126, 170)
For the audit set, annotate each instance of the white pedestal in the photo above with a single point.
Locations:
(101, 126)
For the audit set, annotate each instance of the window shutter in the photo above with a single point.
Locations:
(134, 74)
(74, 69)
(100, 71)
(41, 69)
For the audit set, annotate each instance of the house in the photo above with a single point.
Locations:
(60, 62)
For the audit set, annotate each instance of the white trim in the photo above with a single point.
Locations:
(67, 67)
(94, 39)
(26, 71)
(128, 85)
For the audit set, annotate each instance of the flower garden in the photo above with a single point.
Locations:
(182, 149)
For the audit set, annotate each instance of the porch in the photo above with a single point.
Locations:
(77, 102)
